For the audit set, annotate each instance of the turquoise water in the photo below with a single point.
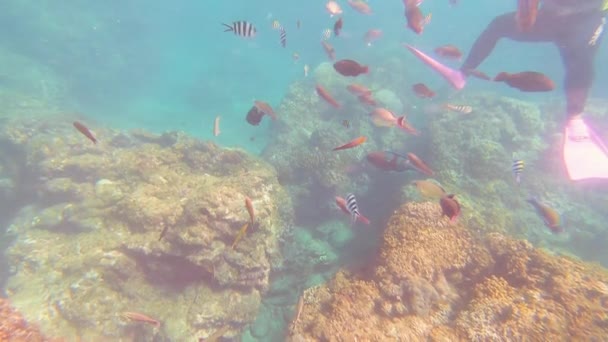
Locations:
(159, 66)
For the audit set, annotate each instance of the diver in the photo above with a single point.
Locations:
(575, 27)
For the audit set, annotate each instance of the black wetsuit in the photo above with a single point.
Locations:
(569, 32)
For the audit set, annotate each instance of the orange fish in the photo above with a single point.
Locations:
(85, 131)
(419, 165)
(333, 8)
(429, 189)
(358, 89)
(338, 27)
(367, 99)
(404, 125)
(353, 143)
(422, 91)
(526, 14)
(528, 81)
(265, 108)
(139, 317)
(387, 161)
(326, 96)
(329, 50)
(383, 117)
(450, 207)
(360, 6)
(549, 215)
(249, 206)
(241, 233)
(449, 51)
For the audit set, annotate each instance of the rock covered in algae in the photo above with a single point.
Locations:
(139, 222)
(436, 282)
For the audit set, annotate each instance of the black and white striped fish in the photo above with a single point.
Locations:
(518, 167)
(283, 36)
(353, 208)
(241, 28)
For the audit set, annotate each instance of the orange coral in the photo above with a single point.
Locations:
(13, 326)
(437, 282)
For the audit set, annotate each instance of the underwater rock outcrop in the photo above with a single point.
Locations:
(139, 223)
(439, 282)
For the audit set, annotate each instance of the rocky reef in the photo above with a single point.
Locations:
(137, 223)
(439, 282)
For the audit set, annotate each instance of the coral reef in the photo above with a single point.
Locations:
(138, 222)
(439, 282)
(13, 326)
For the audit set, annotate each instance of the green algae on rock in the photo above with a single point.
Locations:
(139, 225)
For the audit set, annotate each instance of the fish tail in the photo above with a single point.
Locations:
(229, 28)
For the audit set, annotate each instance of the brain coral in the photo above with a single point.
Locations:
(436, 282)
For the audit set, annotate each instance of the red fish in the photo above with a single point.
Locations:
(353, 143)
(415, 18)
(139, 317)
(479, 74)
(422, 91)
(341, 203)
(326, 96)
(449, 51)
(450, 207)
(372, 35)
(85, 131)
(329, 50)
(265, 108)
(387, 161)
(338, 27)
(419, 165)
(526, 14)
(348, 67)
(549, 215)
(528, 81)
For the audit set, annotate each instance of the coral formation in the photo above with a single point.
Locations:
(13, 326)
(439, 282)
(138, 222)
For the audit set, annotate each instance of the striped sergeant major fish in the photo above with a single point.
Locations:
(283, 37)
(241, 28)
(458, 108)
(349, 207)
(353, 208)
(517, 168)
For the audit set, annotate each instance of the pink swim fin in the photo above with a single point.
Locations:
(585, 155)
(455, 77)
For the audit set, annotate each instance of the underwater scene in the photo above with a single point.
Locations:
(351, 170)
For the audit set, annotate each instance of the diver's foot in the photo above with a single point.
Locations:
(455, 77)
(585, 155)
(577, 130)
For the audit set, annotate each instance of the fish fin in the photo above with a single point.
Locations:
(229, 28)
(584, 153)
(501, 77)
(456, 78)
(363, 219)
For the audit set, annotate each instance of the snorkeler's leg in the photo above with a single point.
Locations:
(585, 154)
(505, 26)
(502, 26)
